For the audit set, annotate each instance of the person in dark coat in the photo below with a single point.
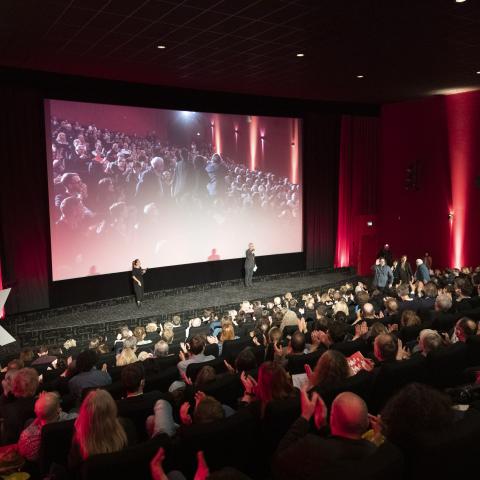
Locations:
(405, 270)
(386, 253)
(349, 421)
(137, 277)
(183, 177)
(249, 264)
(150, 186)
(216, 171)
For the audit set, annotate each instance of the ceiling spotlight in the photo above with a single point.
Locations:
(162, 47)
(198, 134)
(360, 76)
(300, 54)
(478, 72)
(460, 1)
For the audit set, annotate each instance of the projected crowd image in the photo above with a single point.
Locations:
(168, 187)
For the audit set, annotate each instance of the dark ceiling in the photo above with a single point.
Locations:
(404, 48)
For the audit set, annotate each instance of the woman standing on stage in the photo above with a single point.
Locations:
(137, 276)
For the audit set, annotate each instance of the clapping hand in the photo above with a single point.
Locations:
(402, 353)
(202, 472)
(187, 380)
(156, 467)
(313, 406)
(199, 397)
(250, 386)
(184, 415)
(229, 367)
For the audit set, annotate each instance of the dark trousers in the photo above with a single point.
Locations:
(138, 291)
(248, 277)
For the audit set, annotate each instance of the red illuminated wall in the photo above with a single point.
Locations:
(442, 133)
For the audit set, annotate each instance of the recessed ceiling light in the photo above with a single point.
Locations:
(360, 76)
(161, 47)
(300, 54)
(478, 72)
(460, 1)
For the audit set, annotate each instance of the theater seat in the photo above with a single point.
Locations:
(445, 455)
(296, 363)
(279, 416)
(391, 377)
(473, 350)
(194, 368)
(227, 389)
(232, 442)
(445, 365)
(161, 381)
(231, 348)
(132, 462)
(55, 444)
(360, 384)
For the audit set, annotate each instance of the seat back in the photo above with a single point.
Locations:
(279, 416)
(227, 389)
(360, 384)
(55, 444)
(194, 368)
(162, 381)
(296, 363)
(231, 442)
(448, 454)
(391, 377)
(231, 348)
(446, 365)
(131, 462)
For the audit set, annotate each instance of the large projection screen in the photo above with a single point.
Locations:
(168, 187)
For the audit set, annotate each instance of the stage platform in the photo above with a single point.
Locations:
(81, 322)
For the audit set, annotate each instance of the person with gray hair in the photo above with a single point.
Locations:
(161, 349)
(47, 410)
(150, 186)
(428, 341)
(443, 303)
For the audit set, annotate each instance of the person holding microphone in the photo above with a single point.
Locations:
(137, 277)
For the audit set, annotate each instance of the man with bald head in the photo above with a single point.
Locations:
(303, 455)
(47, 410)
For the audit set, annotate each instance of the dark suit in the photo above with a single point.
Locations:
(149, 187)
(249, 266)
(304, 455)
(405, 272)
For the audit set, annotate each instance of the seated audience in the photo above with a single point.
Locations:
(349, 421)
(87, 375)
(97, 428)
(47, 410)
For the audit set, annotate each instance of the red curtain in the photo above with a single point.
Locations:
(357, 193)
(321, 153)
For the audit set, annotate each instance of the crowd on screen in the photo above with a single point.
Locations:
(353, 381)
(105, 180)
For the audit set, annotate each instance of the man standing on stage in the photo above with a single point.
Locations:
(383, 276)
(250, 266)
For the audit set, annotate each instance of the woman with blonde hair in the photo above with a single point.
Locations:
(227, 333)
(126, 356)
(97, 428)
(341, 306)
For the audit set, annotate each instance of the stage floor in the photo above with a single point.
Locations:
(81, 322)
